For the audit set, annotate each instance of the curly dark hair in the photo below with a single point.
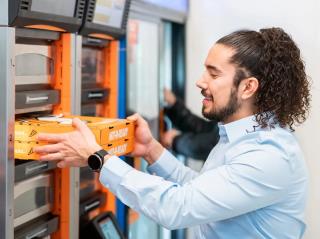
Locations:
(272, 57)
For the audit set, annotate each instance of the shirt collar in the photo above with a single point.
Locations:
(236, 129)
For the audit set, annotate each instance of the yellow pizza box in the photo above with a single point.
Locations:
(106, 130)
(24, 150)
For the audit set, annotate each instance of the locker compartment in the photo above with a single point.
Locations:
(35, 66)
(94, 201)
(25, 169)
(40, 227)
(32, 198)
(93, 70)
(87, 183)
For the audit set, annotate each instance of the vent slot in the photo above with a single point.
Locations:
(91, 7)
(80, 9)
(25, 5)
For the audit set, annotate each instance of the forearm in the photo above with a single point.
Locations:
(171, 169)
(155, 149)
(212, 196)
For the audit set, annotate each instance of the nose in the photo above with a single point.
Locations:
(201, 83)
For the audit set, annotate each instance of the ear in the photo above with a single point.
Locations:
(248, 87)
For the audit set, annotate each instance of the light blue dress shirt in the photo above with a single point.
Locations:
(253, 185)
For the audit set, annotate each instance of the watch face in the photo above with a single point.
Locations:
(94, 162)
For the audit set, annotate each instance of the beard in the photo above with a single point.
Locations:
(224, 113)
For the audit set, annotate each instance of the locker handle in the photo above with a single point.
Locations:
(91, 205)
(31, 100)
(30, 236)
(32, 168)
(95, 95)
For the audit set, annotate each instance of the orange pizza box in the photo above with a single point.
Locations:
(24, 150)
(106, 130)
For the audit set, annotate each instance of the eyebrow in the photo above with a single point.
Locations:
(210, 67)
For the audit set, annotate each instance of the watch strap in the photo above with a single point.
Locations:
(102, 153)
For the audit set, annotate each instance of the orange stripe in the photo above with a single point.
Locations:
(46, 27)
(101, 35)
(62, 82)
(110, 107)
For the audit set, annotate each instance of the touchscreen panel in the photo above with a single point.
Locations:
(56, 7)
(109, 12)
(108, 229)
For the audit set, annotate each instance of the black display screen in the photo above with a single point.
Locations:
(108, 229)
(56, 7)
(109, 12)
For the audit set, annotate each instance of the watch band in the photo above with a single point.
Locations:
(102, 153)
(96, 160)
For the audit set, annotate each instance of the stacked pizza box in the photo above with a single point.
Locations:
(114, 135)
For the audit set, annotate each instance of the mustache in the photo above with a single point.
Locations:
(203, 92)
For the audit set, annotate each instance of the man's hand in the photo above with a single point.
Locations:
(144, 143)
(70, 149)
(168, 137)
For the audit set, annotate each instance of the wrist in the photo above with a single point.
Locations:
(154, 151)
(94, 148)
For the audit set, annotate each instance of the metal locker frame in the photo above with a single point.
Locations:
(7, 108)
(7, 116)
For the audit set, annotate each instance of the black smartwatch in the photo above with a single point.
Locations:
(96, 160)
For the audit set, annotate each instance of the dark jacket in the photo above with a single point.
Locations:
(198, 135)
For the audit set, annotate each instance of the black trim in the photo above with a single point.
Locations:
(88, 27)
(178, 60)
(20, 15)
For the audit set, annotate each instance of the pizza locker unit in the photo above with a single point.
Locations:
(56, 57)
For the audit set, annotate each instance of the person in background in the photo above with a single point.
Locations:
(254, 182)
(197, 136)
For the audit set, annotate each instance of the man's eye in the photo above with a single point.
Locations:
(213, 76)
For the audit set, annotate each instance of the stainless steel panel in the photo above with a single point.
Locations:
(7, 92)
(75, 108)
(4, 14)
(76, 82)
(34, 64)
(32, 198)
(32, 34)
(47, 108)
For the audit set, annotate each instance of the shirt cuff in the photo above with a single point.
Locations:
(164, 166)
(113, 171)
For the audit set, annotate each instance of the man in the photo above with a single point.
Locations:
(197, 137)
(254, 182)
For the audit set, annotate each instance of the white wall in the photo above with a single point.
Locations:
(211, 19)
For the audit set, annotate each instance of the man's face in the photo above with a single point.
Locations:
(221, 100)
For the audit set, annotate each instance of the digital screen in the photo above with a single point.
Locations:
(177, 5)
(108, 229)
(56, 7)
(109, 12)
